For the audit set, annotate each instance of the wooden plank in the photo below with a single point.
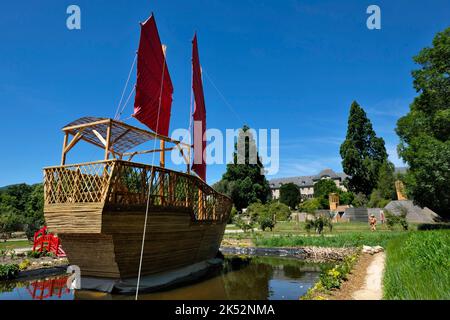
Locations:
(99, 136)
(63, 155)
(108, 140)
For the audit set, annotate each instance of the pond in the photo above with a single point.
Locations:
(241, 277)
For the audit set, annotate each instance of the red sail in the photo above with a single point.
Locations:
(199, 115)
(154, 88)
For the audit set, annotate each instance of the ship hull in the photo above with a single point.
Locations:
(105, 238)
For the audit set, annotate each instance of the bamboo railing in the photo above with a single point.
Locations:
(125, 184)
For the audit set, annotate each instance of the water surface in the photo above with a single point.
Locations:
(241, 277)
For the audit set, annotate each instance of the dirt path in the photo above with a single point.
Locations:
(365, 281)
(373, 284)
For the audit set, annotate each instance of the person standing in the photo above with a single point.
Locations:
(373, 222)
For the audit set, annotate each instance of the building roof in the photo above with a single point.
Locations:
(307, 181)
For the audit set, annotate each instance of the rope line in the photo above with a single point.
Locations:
(126, 102)
(149, 186)
(117, 115)
(222, 96)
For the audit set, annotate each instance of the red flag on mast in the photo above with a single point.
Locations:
(153, 101)
(199, 116)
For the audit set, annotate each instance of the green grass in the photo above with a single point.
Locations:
(291, 227)
(350, 239)
(15, 244)
(418, 266)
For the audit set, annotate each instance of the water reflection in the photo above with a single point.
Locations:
(243, 277)
(51, 288)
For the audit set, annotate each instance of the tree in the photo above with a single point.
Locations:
(310, 205)
(280, 211)
(22, 208)
(385, 190)
(245, 182)
(425, 131)
(322, 189)
(346, 197)
(290, 195)
(362, 152)
(360, 200)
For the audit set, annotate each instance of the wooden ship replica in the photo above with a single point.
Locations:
(121, 219)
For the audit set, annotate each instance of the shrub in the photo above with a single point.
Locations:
(310, 205)
(243, 224)
(280, 211)
(332, 277)
(24, 264)
(233, 213)
(8, 271)
(318, 224)
(392, 220)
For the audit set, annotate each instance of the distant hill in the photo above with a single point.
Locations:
(4, 188)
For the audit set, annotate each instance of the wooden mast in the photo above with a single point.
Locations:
(162, 155)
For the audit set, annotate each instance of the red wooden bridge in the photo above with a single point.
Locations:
(43, 240)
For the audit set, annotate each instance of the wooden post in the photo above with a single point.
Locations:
(108, 140)
(189, 161)
(162, 155)
(63, 155)
(201, 207)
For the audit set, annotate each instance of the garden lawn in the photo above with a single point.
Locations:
(418, 266)
(15, 244)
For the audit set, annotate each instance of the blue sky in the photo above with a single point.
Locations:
(291, 65)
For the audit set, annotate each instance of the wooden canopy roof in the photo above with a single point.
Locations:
(114, 136)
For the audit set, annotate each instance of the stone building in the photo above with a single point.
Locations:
(306, 183)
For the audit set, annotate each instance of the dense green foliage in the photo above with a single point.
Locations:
(266, 215)
(280, 211)
(417, 266)
(8, 271)
(290, 195)
(332, 277)
(385, 189)
(21, 208)
(362, 152)
(310, 205)
(350, 239)
(245, 182)
(322, 190)
(425, 131)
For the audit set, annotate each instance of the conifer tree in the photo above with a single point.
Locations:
(362, 152)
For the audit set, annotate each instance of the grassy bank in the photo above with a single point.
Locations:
(352, 239)
(417, 266)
